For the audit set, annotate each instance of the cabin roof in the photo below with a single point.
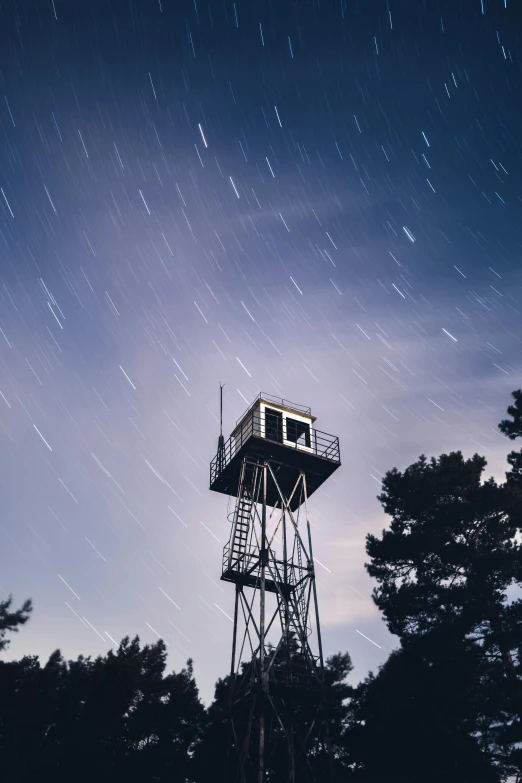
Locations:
(279, 402)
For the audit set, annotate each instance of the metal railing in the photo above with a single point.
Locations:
(273, 429)
(302, 680)
(242, 562)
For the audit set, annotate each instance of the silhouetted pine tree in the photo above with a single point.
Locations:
(116, 717)
(444, 568)
(10, 621)
(419, 719)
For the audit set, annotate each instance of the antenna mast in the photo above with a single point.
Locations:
(221, 440)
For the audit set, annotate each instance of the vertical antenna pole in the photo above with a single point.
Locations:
(264, 554)
(221, 440)
(221, 410)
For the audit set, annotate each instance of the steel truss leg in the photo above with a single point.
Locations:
(277, 701)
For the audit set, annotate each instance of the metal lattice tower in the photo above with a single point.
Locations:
(271, 464)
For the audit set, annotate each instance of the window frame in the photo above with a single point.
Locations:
(291, 415)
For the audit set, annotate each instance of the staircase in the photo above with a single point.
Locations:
(241, 529)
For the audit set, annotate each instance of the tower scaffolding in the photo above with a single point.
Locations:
(273, 461)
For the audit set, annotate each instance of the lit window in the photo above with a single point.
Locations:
(298, 432)
(273, 425)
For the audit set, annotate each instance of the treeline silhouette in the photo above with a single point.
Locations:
(445, 706)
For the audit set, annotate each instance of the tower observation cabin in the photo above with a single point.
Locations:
(281, 432)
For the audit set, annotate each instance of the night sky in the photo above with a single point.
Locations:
(317, 199)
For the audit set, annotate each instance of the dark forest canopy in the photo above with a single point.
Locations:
(445, 706)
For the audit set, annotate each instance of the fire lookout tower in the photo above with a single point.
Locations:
(271, 464)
